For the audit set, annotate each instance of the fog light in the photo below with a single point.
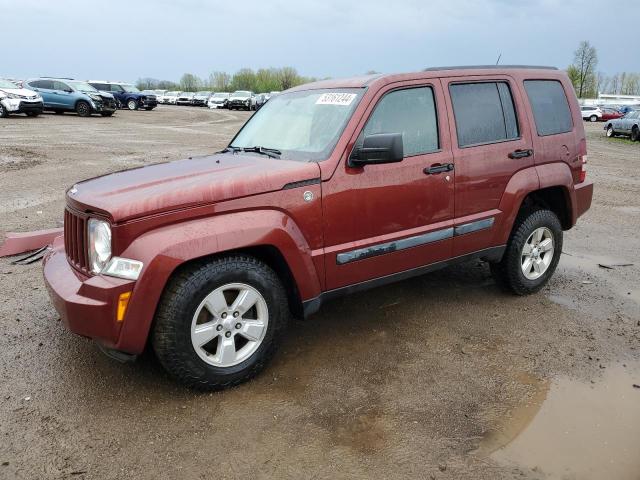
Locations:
(123, 302)
(123, 268)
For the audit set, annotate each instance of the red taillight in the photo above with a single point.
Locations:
(583, 168)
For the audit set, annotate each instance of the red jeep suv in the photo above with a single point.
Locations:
(331, 188)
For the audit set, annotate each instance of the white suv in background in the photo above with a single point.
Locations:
(170, 97)
(591, 113)
(14, 99)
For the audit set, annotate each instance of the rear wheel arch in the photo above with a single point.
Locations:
(556, 199)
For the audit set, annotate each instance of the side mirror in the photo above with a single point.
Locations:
(377, 149)
(68, 90)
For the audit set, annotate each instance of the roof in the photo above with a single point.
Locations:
(367, 80)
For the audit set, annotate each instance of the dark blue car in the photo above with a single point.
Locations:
(127, 95)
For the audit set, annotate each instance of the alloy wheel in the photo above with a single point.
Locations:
(229, 325)
(537, 253)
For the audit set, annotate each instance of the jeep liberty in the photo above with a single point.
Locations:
(332, 187)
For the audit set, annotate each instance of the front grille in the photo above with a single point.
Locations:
(75, 240)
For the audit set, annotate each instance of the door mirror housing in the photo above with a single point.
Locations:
(377, 149)
(68, 90)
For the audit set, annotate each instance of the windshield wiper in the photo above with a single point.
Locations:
(230, 149)
(269, 152)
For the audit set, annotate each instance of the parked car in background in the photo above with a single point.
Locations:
(127, 95)
(609, 113)
(629, 125)
(591, 113)
(260, 99)
(170, 98)
(219, 100)
(66, 95)
(271, 94)
(628, 108)
(160, 95)
(14, 99)
(185, 98)
(334, 187)
(200, 99)
(241, 100)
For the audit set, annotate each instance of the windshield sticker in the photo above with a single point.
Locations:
(336, 99)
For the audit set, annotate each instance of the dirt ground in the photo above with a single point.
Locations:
(438, 377)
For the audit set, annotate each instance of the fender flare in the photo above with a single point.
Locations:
(164, 249)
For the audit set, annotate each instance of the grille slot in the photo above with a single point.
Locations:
(75, 240)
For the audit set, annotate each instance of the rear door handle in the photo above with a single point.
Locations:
(437, 168)
(521, 153)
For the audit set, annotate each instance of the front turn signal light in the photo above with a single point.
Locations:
(123, 303)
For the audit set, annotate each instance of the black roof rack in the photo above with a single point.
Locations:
(494, 67)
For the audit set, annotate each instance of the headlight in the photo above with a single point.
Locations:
(99, 233)
(96, 97)
(13, 95)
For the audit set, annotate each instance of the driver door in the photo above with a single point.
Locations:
(387, 218)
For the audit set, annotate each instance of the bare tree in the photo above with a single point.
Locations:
(585, 62)
(220, 81)
(190, 82)
(288, 77)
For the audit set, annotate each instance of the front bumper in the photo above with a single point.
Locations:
(17, 105)
(149, 103)
(87, 305)
(239, 104)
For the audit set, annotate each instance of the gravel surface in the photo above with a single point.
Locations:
(426, 378)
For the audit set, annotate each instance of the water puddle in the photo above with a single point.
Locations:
(575, 430)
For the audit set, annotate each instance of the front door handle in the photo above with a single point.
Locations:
(521, 153)
(437, 168)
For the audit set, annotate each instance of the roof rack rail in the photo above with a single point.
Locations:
(493, 67)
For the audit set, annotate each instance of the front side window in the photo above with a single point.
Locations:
(411, 112)
(129, 88)
(303, 125)
(82, 87)
(484, 113)
(60, 85)
(550, 107)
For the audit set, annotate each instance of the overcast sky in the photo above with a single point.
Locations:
(126, 40)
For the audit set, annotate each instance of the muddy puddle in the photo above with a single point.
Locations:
(571, 429)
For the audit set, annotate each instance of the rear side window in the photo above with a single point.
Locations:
(411, 112)
(550, 106)
(484, 113)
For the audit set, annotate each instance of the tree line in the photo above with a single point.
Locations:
(260, 81)
(588, 81)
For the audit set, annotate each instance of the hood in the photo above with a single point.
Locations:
(239, 97)
(186, 183)
(23, 92)
(106, 94)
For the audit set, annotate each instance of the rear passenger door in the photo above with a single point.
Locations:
(45, 89)
(491, 141)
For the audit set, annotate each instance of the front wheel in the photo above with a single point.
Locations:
(132, 105)
(83, 109)
(219, 323)
(532, 253)
(593, 118)
(635, 134)
(3, 111)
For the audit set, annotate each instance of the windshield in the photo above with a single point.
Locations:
(241, 93)
(129, 88)
(202, 93)
(7, 84)
(81, 86)
(303, 125)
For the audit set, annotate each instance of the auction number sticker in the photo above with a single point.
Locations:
(336, 98)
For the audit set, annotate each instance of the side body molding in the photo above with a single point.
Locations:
(164, 249)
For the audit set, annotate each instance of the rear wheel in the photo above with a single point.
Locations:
(593, 118)
(83, 108)
(132, 104)
(610, 132)
(635, 134)
(219, 323)
(532, 253)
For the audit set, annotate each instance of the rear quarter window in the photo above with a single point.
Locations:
(550, 107)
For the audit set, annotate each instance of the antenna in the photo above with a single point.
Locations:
(499, 57)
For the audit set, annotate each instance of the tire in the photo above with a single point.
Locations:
(509, 272)
(173, 334)
(593, 118)
(635, 134)
(83, 108)
(132, 104)
(3, 111)
(107, 114)
(610, 132)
